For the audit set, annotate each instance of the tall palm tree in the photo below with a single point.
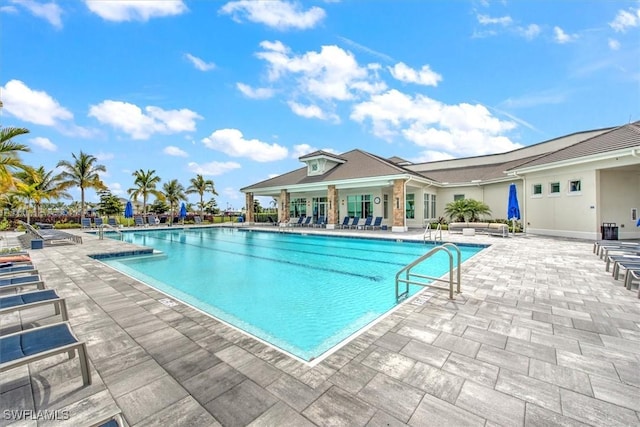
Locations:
(145, 184)
(83, 173)
(201, 186)
(173, 193)
(10, 158)
(27, 192)
(47, 186)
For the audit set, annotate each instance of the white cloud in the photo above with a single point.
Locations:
(102, 156)
(138, 124)
(461, 129)
(116, 188)
(32, 105)
(199, 63)
(257, 93)
(366, 49)
(614, 44)
(561, 37)
(425, 76)
(233, 143)
(311, 112)
(51, 12)
(135, 10)
(529, 32)
(174, 151)
(232, 193)
(626, 19)
(487, 20)
(431, 156)
(276, 14)
(212, 168)
(44, 143)
(331, 74)
(300, 150)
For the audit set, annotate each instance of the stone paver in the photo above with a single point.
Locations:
(540, 336)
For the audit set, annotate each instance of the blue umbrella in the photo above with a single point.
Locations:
(128, 210)
(183, 211)
(513, 208)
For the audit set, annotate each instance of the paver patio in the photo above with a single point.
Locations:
(541, 335)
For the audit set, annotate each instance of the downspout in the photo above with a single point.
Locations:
(524, 201)
(405, 203)
(634, 152)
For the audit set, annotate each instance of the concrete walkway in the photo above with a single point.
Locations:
(540, 336)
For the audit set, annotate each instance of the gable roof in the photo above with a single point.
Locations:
(320, 153)
(357, 164)
(626, 136)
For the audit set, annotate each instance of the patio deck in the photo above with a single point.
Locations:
(541, 335)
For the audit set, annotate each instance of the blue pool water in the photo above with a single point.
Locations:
(302, 293)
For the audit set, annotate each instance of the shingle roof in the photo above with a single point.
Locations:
(481, 172)
(358, 164)
(320, 153)
(627, 136)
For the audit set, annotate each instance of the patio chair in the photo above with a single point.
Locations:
(85, 222)
(345, 222)
(354, 224)
(307, 222)
(112, 222)
(153, 220)
(97, 222)
(631, 275)
(197, 219)
(138, 221)
(35, 344)
(622, 264)
(34, 299)
(298, 222)
(619, 257)
(367, 223)
(271, 221)
(322, 222)
(51, 235)
(377, 223)
(18, 269)
(21, 281)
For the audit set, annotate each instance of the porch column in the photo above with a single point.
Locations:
(398, 206)
(332, 199)
(283, 208)
(249, 207)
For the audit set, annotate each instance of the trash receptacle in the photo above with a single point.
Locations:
(37, 244)
(609, 231)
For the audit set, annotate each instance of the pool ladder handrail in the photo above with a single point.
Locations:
(406, 270)
(428, 230)
(110, 227)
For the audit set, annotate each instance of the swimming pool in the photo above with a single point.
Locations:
(301, 293)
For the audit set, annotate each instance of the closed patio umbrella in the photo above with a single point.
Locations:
(128, 211)
(513, 208)
(183, 212)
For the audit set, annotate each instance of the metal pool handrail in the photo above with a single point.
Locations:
(408, 275)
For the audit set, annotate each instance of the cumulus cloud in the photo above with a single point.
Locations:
(529, 32)
(277, 14)
(139, 124)
(425, 76)
(135, 10)
(200, 64)
(614, 44)
(255, 93)
(44, 143)
(174, 151)
(233, 143)
(212, 168)
(561, 37)
(461, 129)
(487, 20)
(431, 156)
(331, 74)
(50, 12)
(33, 106)
(116, 188)
(625, 19)
(311, 112)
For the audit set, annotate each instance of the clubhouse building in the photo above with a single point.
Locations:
(567, 186)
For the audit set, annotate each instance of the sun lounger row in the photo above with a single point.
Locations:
(50, 235)
(618, 257)
(357, 223)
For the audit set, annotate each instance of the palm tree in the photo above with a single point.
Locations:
(466, 209)
(145, 184)
(83, 173)
(46, 186)
(173, 193)
(27, 192)
(9, 157)
(201, 186)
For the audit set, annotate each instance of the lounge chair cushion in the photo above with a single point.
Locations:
(19, 279)
(27, 298)
(33, 342)
(14, 258)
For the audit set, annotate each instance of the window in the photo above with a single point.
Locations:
(554, 188)
(314, 167)
(426, 210)
(298, 207)
(537, 189)
(385, 206)
(433, 206)
(411, 206)
(429, 206)
(360, 205)
(574, 186)
(458, 197)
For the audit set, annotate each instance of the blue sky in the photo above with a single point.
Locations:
(238, 90)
